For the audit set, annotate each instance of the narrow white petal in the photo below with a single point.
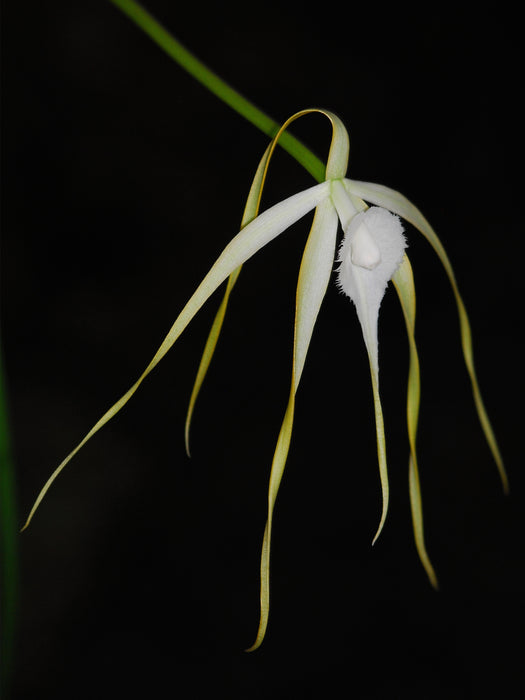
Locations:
(266, 227)
(314, 276)
(251, 238)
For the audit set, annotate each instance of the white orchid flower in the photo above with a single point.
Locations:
(371, 254)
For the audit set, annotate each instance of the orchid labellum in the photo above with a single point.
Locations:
(371, 254)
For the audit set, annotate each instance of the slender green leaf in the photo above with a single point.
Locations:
(168, 43)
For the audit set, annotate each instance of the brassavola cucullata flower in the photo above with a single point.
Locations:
(371, 254)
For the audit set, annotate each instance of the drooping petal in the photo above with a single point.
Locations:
(250, 212)
(397, 203)
(254, 236)
(314, 276)
(374, 237)
(403, 281)
(336, 168)
(207, 354)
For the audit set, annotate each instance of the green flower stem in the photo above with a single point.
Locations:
(218, 87)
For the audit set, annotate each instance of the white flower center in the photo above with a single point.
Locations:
(370, 253)
(364, 250)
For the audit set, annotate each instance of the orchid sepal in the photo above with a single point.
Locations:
(246, 243)
(394, 201)
(336, 167)
(314, 276)
(403, 281)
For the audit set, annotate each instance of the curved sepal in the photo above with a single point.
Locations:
(336, 168)
(397, 203)
(403, 281)
(254, 236)
(250, 212)
(314, 276)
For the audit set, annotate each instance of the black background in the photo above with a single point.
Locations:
(123, 180)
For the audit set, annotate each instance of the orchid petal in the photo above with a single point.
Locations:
(397, 203)
(403, 281)
(254, 236)
(314, 276)
(250, 212)
(336, 168)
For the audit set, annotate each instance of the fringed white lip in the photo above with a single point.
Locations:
(370, 253)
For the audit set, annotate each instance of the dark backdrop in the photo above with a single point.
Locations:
(123, 180)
